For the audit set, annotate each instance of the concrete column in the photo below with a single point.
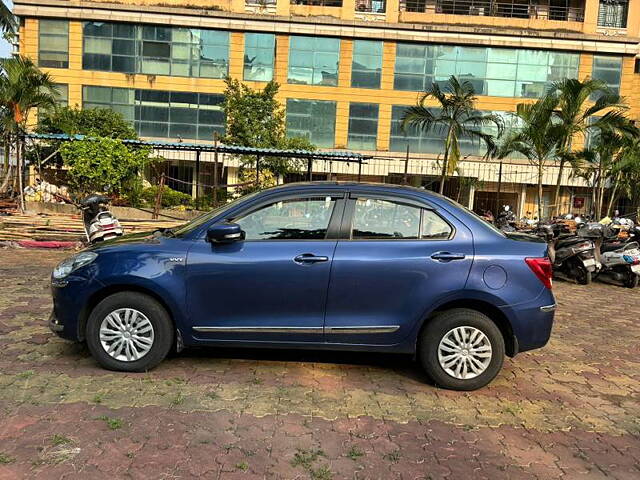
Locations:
(523, 201)
(472, 194)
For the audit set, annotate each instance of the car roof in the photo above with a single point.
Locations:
(346, 185)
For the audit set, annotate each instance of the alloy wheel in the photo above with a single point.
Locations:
(464, 352)
(126, 334)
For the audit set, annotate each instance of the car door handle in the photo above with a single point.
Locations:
(447, 256)
(310, 258)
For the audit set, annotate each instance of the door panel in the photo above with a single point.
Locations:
(271, 287)
(380, 288)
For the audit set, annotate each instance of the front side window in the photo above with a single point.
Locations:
(295, 219)
(382, 219)
(53, 43)
(314, 60)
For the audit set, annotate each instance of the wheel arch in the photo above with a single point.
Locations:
(496, 315)
(109, 290)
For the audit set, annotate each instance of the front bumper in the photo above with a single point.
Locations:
(71, 298)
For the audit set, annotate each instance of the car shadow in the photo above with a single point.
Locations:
(402, 365)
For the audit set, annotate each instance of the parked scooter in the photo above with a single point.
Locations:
(99, 223)
(506, 220)
(620, 256)
(572, 256)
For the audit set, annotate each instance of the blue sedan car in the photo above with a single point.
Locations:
(339, 266)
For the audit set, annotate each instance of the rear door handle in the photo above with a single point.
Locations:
(447, 256)
(310, 258)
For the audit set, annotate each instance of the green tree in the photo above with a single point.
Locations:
(537, 140)
(23, 88)
(610, 159)
(454, 117)
(104, 165)
(93, 122)
(577, 114)
(255, 118)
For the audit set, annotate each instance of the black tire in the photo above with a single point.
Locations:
(157, 315)
(439, 326)
(582, 275)
(631, 280)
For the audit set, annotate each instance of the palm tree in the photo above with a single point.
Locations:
(454, 117)
(23, 88)
(537, 140)
(8, 24)
(578, 114)
(610, 158)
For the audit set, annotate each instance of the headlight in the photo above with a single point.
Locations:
(71, 264)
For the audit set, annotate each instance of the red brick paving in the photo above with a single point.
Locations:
(570, 410)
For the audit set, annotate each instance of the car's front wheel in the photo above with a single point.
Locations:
(129, 332)
(461, 349)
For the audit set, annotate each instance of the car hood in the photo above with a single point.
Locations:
(129, 241)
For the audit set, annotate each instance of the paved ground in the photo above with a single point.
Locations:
(571, 410)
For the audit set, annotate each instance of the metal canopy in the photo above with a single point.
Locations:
(338, 155)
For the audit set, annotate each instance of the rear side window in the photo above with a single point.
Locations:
(434, 227)
(295, 219)
(383, 219)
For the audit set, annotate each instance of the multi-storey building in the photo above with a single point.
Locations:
(347, 69)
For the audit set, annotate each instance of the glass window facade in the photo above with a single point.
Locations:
(499, 72)
(432, 141)
(155, 50)
(608, 69)
(312, 119)
(366, 69)
(162, 114)
(313, 60)
(259, 56)
(62, 98)
(363, 126)
(53, 42)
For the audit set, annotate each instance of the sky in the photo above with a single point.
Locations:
(5, 48)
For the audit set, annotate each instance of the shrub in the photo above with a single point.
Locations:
(170, 198)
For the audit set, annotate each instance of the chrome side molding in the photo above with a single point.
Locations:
(363, 329)
(334, 330)
(260, 329)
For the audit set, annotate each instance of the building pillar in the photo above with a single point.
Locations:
(472, 195)
(523, 201)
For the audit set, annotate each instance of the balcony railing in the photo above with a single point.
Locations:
(489, 8)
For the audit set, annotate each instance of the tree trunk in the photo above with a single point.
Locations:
(445, 162)
(540, 172)
(614, 193)
(556, 195)
(20, 172)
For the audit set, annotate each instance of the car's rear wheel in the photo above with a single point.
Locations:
(129, 332)
(461, 349)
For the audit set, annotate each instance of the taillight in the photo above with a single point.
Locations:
(542, 269)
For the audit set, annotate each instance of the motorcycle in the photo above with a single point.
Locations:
(99, 223)
(619, 256)
(572, 255)
(506, 220)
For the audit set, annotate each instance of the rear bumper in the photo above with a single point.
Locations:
(532, 322)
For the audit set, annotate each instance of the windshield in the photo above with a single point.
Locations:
(205, 217)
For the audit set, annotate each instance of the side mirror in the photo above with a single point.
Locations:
(225, 233)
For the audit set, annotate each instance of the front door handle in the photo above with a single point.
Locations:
(447, 256)
(310, 258)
